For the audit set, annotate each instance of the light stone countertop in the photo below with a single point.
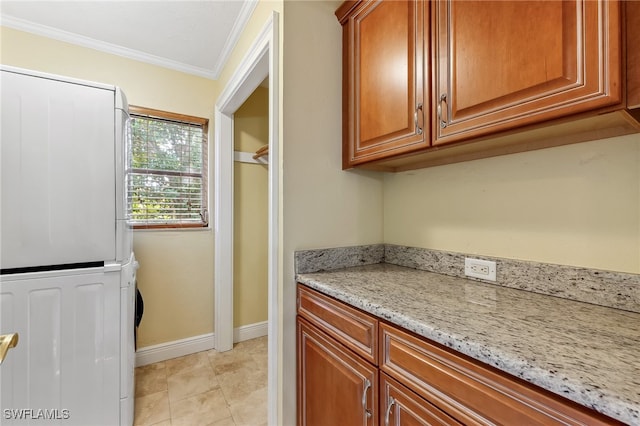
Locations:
(587, 353)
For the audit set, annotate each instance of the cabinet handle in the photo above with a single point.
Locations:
(415, 119)
(367, 385)
(388, 413)
(443, 99)
(7, 341)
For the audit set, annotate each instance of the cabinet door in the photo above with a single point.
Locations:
(65, 368)
(383, 81)
(335, 387)
(508, 64)
(401, 407)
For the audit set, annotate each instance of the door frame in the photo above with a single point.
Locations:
(261, 60)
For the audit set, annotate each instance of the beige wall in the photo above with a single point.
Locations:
(323, 205)
(575, 205)
(176, 268)
(250, 213)
(176, 281)
(256, 23)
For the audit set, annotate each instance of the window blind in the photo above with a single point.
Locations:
(167, 178)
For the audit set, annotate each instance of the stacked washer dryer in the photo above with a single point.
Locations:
(68, 270)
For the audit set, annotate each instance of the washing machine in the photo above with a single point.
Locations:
(127, 342)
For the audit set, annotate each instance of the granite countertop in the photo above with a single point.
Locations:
(587, 353)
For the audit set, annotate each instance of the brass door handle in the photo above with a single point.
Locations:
(7, 341)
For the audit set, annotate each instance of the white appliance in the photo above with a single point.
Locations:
(68, 270)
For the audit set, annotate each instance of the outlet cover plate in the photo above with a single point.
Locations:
(477, 268)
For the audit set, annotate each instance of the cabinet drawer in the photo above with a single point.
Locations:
(353, 328)
(470, 391)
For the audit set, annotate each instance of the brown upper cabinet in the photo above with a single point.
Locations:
(505, 64)
(492, 77)
(384, 88)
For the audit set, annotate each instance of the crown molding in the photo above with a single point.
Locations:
(243, 17)
(79, 40)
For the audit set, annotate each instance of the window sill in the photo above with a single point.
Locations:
(183, 227)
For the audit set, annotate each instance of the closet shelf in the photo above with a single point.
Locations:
(259, 157)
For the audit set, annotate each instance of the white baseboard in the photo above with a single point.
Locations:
(191, 345)
(168, 350)
(251, 331)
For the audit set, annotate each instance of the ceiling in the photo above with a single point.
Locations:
(194, 37)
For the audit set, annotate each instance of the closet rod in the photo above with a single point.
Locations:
(261, 152)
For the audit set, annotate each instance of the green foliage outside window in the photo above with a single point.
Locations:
(167, 179)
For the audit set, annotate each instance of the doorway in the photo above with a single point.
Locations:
(260, 62)
(250, 216)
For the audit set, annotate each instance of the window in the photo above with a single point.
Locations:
(167, 185)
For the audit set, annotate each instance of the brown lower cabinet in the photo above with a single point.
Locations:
(336, 387)
(470, 391)
(411, 381)
(400, 406)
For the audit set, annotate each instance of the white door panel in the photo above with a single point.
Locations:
(58, 172)
(68, 354)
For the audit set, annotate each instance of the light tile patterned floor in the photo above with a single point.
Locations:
(206, 388)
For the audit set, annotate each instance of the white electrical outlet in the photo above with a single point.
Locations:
(483, 269)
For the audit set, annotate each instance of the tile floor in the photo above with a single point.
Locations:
(206, 388)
